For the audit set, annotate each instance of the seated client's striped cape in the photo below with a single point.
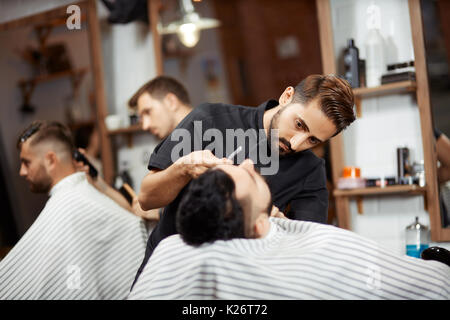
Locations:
(82, 246)
(296, 260)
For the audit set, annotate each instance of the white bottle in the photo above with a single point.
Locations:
(374, 45)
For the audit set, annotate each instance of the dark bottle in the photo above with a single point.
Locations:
(403, 166)
(351, 64)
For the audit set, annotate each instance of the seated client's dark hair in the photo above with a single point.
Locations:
(42, 130)
(209, 210)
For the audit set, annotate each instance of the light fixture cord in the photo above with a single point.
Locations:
(186, 6)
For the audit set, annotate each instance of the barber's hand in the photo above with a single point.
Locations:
(277, 213)
(98, 182)
(197, 162)
(79, 165)
(151, 215)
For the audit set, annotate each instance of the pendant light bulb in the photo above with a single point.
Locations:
(189, 34)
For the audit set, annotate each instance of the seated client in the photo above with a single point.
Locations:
(83, 245)
(229, 248)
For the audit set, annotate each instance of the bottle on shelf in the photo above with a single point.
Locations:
(417, 238)
(351, 64)
(404, 167)
(374, 45)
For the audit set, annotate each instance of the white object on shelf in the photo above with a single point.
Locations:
(113, 121)
(375, 55)
(351, 183)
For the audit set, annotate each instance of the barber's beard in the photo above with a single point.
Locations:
(274, 124)
(41, 183)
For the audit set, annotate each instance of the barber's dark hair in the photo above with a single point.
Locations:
(209, 210)
(159, 87)
(39, 131)
(335, 98)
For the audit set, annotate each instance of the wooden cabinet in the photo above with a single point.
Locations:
(421, 91)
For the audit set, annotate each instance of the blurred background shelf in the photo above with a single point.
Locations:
(383, 90)
(52, 76)
(128, 130)
(400, 189)
(386, 89)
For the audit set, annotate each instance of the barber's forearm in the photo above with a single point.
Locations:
(160, 188)
(118, 198)
(443, 150)
(112, 193)
(443, 174)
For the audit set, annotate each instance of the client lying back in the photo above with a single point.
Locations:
(229, 248)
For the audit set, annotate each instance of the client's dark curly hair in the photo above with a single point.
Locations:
(209, 210)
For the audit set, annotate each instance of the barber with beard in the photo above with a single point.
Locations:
(318, 108)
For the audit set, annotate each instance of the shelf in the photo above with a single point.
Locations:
(419, 90)
(58, 21)
(129, 130)
(405, 190)
(386, 89)
(383, 90)
(400, 189)
(53, 76)
(27, 86)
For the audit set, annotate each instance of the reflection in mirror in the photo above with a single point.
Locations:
(249, 58)
(46, 75)
(437, 47)
(200, 67)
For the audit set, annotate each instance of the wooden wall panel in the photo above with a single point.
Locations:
(250, 33)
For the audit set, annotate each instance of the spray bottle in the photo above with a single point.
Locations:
(375, 55)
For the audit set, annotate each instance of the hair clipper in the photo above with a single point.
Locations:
(79, 157)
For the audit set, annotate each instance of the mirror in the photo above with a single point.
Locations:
(50, 65)
(251, 57)
(436, 29)
(46, 75)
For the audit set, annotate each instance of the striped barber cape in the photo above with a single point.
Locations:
(82, 246)
(296, 260)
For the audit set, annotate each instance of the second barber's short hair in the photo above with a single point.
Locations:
(159, 87)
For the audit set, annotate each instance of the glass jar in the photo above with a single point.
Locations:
(417, 238)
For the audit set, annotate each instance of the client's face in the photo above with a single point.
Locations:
(252, 191)
(33, 169)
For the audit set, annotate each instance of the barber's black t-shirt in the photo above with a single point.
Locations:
(299, 184)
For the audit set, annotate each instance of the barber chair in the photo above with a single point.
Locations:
(438, 254)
